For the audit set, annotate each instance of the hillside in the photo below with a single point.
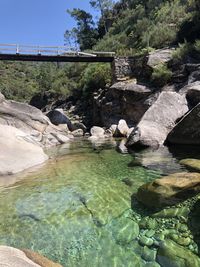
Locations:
(127, 27)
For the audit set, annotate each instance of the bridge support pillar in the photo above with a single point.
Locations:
(124, 68)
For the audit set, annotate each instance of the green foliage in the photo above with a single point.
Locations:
(161, 75)
(197, 46)
(86, 34)
(20, 81)
(95, 76)
(182, 51)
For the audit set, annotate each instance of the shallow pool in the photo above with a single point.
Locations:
(79, 208)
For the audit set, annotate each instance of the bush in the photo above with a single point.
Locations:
(95, 76)
(197, 46)
(182, 51)
(161, 75)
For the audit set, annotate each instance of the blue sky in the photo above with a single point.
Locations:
(37, 22)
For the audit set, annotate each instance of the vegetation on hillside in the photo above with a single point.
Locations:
(126, 27)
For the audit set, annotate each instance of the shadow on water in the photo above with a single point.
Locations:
(184, 151)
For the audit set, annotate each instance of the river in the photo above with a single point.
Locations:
(79, 208)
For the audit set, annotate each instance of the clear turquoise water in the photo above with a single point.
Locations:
(76, 209)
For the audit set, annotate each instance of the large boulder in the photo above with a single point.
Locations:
(169, 190)
(187, 130)
(122, 129)
(158, 57)
(191, 164)
(18, 151)
(171, 254)
(57, 117)
(12, 257)
(123, 100)
(158, 120)
(31, 121)
(192, 92)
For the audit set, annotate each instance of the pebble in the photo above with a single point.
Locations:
(145, 241)
(159, 236)
(150, 233)
(148, 254)
(152, 264)
(183, 241)
(182, 227)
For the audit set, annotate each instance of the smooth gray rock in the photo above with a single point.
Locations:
(171, 254)
(123, 100)
(76, 125)
(122, 129)
(97, 131)
(2, 98)
(169, 190)
(194, 76)
(13, 257)
(131, 86)
(18, 151)
(78, 133)
(187, 131)
(31, 121)
(57, 117)
(159, 57)
(158, 120)
(192, 92)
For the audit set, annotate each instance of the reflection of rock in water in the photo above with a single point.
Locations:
(161, 160)
(83, 200)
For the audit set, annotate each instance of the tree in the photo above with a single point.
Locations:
(104, 6)
(86, 34)
(70, 38)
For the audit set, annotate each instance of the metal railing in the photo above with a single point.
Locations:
(48, 50)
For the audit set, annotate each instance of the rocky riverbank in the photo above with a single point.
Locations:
(156, 114)
(12, 257)
(24, 132)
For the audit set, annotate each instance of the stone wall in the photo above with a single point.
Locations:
(130, 67)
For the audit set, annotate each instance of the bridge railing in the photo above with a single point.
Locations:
(49, 50)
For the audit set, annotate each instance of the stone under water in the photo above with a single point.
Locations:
(80, 210)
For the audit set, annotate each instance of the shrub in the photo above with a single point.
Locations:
(95, 76)
(182, 51)
(161, 75)
(197, 46)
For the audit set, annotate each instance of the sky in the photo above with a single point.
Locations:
(37, 22)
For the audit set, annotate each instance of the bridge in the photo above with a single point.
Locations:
(51, 54)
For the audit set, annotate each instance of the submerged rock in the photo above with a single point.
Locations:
(172, 212)
(148, 254)
(158, 120)
(174, 255)
(193, 164)
(12, 257)
(146, 241)
(39, 259)
(124, 230)
(169, 190)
